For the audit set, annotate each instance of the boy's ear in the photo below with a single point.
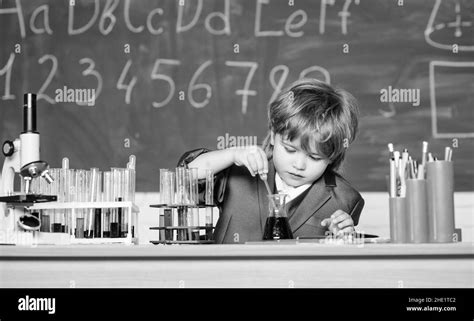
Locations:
(272, 138)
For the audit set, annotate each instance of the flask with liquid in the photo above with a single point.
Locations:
(277, 226)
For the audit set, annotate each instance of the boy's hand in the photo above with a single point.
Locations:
(339, 223)
(252, 157)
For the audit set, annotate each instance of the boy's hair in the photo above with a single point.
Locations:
(322, 117)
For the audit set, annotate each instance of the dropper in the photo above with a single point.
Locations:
(263, 177)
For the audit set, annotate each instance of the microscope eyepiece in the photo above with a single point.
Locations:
(29, 113)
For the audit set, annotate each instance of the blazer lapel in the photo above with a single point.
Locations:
(317, 196)
(263, 193)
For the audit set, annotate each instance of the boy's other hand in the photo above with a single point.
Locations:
(252, 157)
(339, 223)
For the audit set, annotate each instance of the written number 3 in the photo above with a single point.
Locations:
(89, 71)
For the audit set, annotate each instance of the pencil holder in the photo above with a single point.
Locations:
(440, 193)
(417, 211)
(398, 219)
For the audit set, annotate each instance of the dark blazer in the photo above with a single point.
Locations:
(243, 203)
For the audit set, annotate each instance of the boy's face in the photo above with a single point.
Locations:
(293, 164)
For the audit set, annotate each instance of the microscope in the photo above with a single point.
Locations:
(22, 156)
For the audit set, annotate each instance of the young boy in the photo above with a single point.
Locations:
(311, 124)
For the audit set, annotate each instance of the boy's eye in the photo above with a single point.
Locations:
(290, 150)
(315, 158)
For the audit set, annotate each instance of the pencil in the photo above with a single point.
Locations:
(446, 153)
(423, 156)
(396, 156)
(393, 185)
(390, 149)
(401, 173)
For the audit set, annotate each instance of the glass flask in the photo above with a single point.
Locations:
(277, 226)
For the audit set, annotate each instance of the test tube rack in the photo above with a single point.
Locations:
(182, 209)
(131, 210)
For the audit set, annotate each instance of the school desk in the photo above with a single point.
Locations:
(246, 265)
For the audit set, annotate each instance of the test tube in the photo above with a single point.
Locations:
(131, 166)
(117, 196)
(56, 221)
(164, 192)
(182, 199)
(107, 197)
(48, 189)
(93, 185)
(169, 216)
(36, 188)
(164, 186)
(181, 191)
(60, 213)
(172, 187)
(167, 222)
(209, 198)
(127, 186)
(86, 198)
(121, 213)
(81, 196)
(59, 190)
(98, 211)
(71, 197)
(64, 194)
(193, 216)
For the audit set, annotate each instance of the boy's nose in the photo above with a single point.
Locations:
(299, 162)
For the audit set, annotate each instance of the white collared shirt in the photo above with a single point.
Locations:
(291, 191)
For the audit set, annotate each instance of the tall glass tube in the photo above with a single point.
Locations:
(58, 186)
(64, 194)
(81, 196)
(38, 187)
(71, 197)
(164, 186)
(131, 166)
(107, 197)
(127, 196)
(170, 218)
(118, 194)
(209, 199)
(54, 214)
(193, 213)
(181, 191)
(93, 185)
(97, 211)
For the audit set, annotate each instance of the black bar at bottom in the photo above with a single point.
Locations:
(237, 304)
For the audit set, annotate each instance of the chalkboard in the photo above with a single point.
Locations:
(170, 76)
